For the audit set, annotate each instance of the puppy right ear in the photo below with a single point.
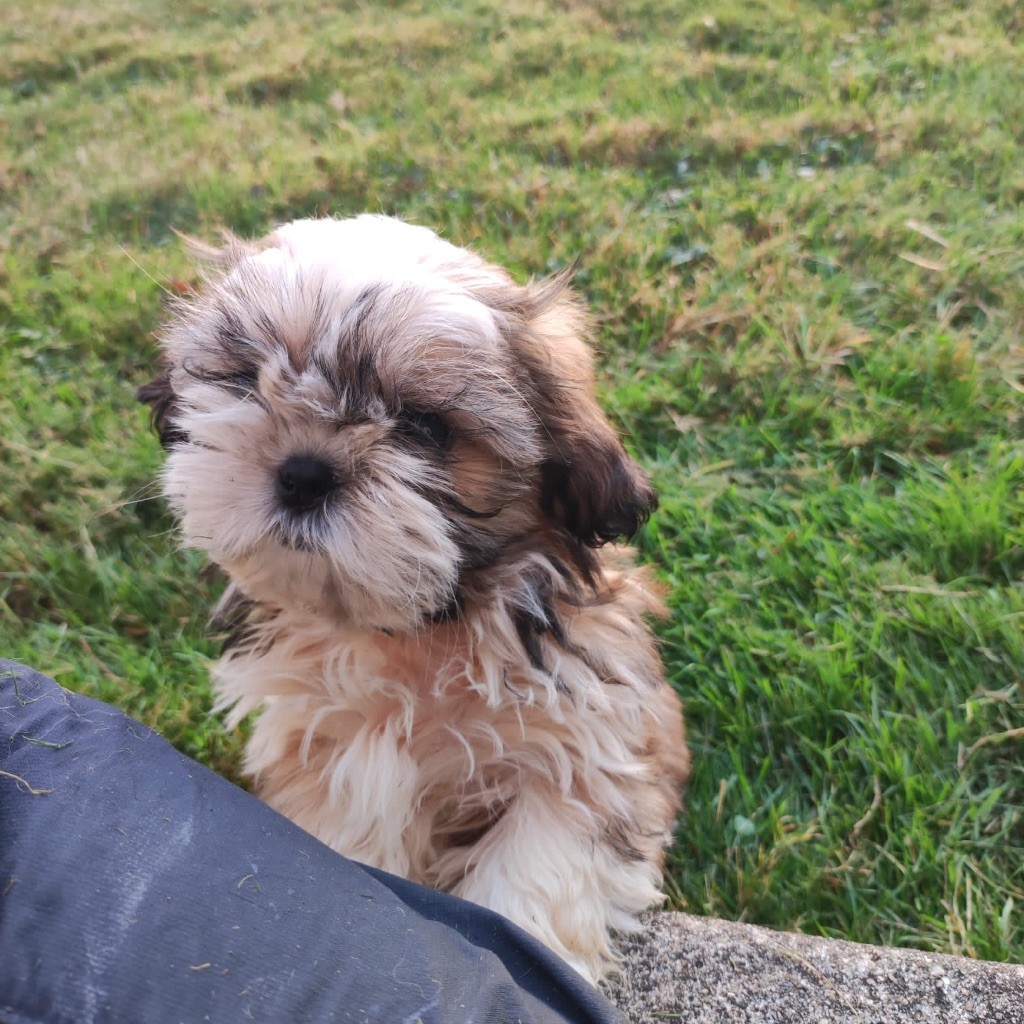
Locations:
(163, 402)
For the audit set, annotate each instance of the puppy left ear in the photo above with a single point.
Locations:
(160, 397)
(590, 487)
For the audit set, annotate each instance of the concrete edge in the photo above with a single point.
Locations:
(680, 968)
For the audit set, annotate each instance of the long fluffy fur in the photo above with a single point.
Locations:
(452, 676)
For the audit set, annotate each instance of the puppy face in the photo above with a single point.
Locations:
(364, 420)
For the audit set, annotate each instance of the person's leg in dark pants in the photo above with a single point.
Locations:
(136, 885)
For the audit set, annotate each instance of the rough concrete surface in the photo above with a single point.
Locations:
(695, 970)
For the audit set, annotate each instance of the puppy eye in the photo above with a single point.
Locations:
(242, 380)
(245, 379)
(428, 426)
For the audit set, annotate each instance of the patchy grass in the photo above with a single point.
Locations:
(801, 231)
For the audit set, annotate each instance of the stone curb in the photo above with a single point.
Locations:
(691, 970)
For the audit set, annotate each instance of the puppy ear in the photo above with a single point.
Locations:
(598, 493)
(160, 397)
(590, 487)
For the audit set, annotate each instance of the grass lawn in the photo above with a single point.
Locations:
(802, 229)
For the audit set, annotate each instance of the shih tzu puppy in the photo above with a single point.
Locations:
(396, 454)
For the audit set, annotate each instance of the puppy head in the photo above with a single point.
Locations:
(360, 418)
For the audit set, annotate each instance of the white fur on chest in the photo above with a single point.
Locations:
(396, 749)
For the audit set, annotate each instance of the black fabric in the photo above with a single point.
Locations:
(137, 886)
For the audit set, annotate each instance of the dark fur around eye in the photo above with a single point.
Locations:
(242, 379)
(159, 395)
(428, 427)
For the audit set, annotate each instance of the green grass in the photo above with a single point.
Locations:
(801, 229)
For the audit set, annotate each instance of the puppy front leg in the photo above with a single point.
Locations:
(548, 865)
(355, 795)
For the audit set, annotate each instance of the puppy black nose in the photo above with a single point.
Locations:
(304, 482)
